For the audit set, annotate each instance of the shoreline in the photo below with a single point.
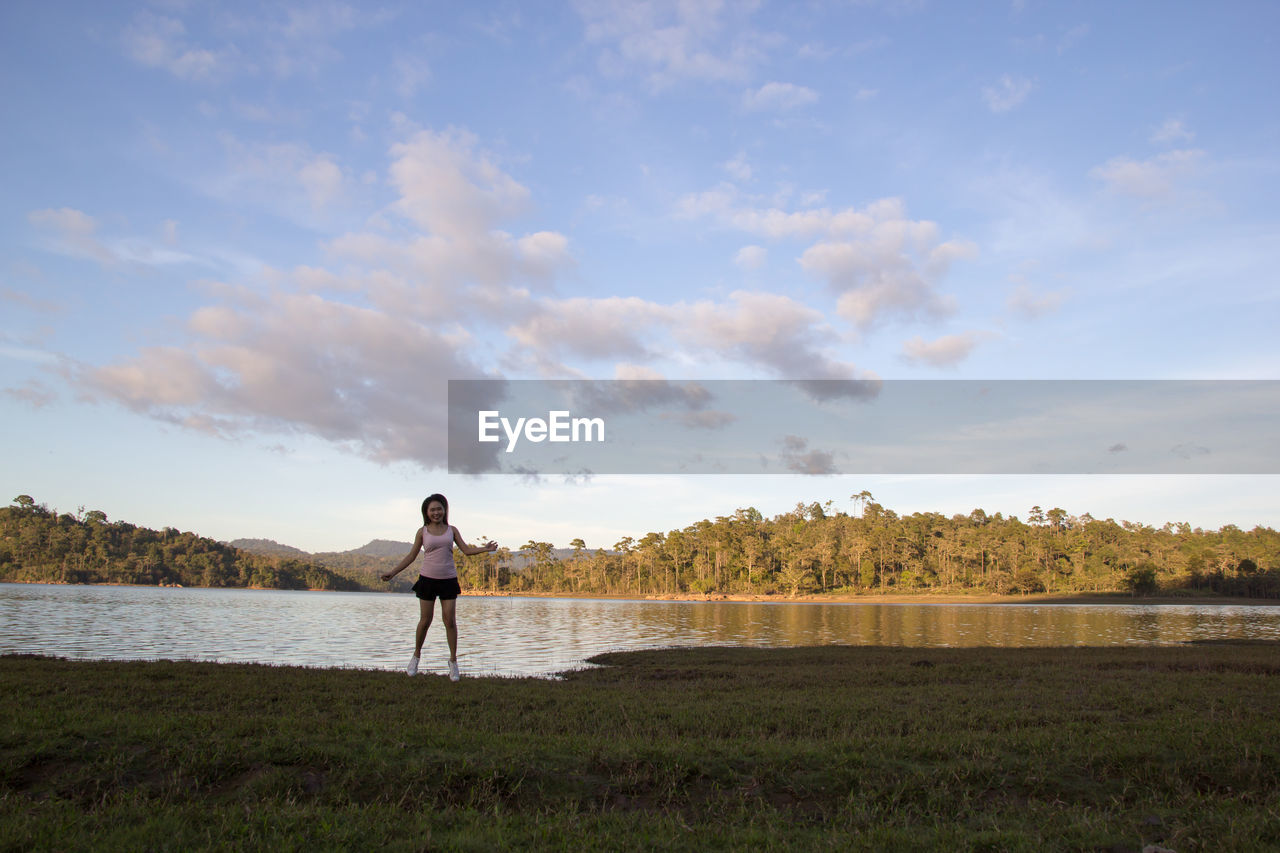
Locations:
(1087, 598)
(1091, 598)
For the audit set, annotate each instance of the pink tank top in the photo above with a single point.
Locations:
(437, 555)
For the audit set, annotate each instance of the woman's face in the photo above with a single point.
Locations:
(435, 512)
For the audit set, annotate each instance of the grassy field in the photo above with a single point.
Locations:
(849, 748)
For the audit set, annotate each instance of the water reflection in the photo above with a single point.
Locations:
(541, 636)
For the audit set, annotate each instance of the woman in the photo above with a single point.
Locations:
(437, 576)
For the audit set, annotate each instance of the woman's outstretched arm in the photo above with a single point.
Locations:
(408, 558)
(471, 550)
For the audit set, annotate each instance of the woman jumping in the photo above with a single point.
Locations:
(437, 576)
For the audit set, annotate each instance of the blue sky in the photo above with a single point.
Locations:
(246, 244)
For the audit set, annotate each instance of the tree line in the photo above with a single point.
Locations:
(813, 549)
(40, 545)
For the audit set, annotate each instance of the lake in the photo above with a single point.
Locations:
(543, 636)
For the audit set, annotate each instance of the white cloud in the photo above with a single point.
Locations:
(1031, 304)
(159, 42)
(289, 179)
(671, 40)
(31, 392)
(447, 187)
(892, 270)
(946, 351)
(1007, 94)
(1153, 179)
(289, 362)
(447, 238)
(412, 73)
(751, 257)
(765, 330)
(74, 232)
(598, 329)
(1072, 37)
(738, 168)
(778, 97)
(875, 259)
(322, 180)
(1171, 132)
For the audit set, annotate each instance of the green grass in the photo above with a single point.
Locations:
(846, 748)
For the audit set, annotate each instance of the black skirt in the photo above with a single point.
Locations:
(429, 589)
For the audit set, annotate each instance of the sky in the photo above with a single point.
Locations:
(246, 245)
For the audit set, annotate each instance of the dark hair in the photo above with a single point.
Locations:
(436, 497)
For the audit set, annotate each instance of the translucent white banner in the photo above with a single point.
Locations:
(821, 427)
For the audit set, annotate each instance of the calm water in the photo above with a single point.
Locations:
(542, 636)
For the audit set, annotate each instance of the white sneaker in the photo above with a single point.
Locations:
(412, 668)
(453, 670)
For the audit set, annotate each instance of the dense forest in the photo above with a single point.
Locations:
(813, 549)
(39, 545)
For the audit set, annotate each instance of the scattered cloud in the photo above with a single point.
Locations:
(290, 362)
(778, 97)
(1007, 94)
(751, 257)
(33, 393)
(1031, 304)
(1153, 179)
(29, 302)
(1172, 131)
(738, 168)
(411, 74)
(946, 351)
(160, 42)
(765, 330)
(322, 180)
(598, 329)
(290, 179)
(670, 40)
(73, 232)
(875, 259)
(1072, 37)
(797, 457)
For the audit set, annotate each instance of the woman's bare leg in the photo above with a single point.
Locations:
(426, 609)
(448, 610)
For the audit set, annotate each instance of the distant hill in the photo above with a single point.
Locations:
(267, 547)
(62, 548)
(382, 548)
(374, 557)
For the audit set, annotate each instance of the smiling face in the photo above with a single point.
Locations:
(435, 512)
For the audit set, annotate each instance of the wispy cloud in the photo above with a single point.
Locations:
(1152, 179)
(778, 97)
(668, 41)
(877, 260)
(1029, 303)
(1008, 93)
(946, 351)
(161, 42)
(73, 232)
(751, 257)
(1172, 131)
